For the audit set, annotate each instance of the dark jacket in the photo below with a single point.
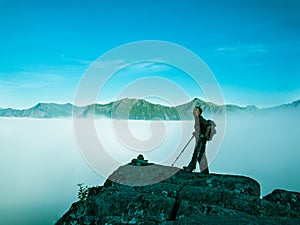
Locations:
(200, 126)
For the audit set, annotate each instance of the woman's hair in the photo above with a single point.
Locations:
(200, 110)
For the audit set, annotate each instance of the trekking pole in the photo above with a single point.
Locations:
(182, 150)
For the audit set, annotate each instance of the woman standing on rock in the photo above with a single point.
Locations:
(201, 134)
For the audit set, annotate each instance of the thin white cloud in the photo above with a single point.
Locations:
(99, 64)
(78, 61)
(148, 67)
(28, 80)
(121, 64)
(243, 50)
(113, 64)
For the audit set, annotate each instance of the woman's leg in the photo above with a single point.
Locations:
(192, 164)
(202, 159)
(203, 165)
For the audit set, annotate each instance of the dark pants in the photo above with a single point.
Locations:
(199, 155)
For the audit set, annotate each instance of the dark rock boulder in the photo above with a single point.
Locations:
(155, 194)
(286, 198)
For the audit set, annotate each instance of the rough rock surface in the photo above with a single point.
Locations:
(173, 196)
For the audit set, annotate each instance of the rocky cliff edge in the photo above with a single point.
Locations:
(182, 198)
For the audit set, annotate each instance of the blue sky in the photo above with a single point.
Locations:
(252, 47)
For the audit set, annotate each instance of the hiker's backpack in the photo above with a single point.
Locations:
(212, 129)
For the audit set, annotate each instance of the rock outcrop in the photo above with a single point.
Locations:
(182, 198)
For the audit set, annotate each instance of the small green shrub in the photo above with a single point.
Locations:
(83, 192)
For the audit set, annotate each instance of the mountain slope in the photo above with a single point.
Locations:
(139, 109)
(41, 110)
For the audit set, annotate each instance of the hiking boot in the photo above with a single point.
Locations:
(188, 169)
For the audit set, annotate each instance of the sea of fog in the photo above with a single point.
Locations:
(43, 160)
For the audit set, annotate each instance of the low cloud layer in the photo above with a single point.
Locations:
(40, 164)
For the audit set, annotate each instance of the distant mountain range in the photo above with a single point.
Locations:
(139, 109)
